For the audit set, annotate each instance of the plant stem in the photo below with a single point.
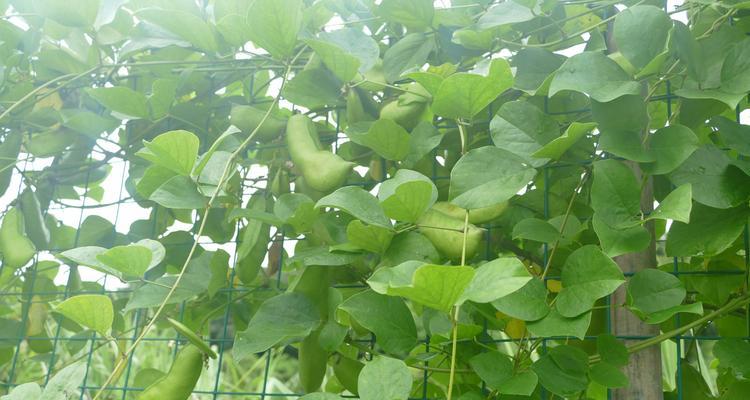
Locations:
(454, 319)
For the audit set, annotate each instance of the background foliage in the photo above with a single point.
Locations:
(393, 200)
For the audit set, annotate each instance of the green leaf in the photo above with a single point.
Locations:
(588, 275)
(407, 54)
(716, 181)
(663, 315)
(676, 205)
(496, 370)
(74, 13)
(65, 383)
(407, 195)
(87, 256)
(612, 350)
(618, 241)
(436, 286)
(496, 279)
(186, 25)
(414, 14)
(608, 375)
(734, 353)
(523, 129)
(173, 150)
(424, 138)
(734, 76)
(505, 13)
(558, 146)
(670, 147)
(179, 192)
(321, 396)
(733, 134)
(281, 319)
(274, 25)
(313, 88)
(122, 100)
(384, 378)
(710, 231)
(529, 303)
(487, 176)
(536, 229)
(297, 210)
(594, 74)
(30, 390)
(640, 33)
(563, 370)
(688, 51)
(385, 137)
(94, 311)
(534, 68)
(464, 95)
(651, 290)
(358, 203)
(369, 237)
(622, 122)
(16, 248)
(615, 194)
(346, 51)
(336, 59)
(387, 317)
(131, 260)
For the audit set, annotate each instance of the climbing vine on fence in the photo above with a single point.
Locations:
(461, 200)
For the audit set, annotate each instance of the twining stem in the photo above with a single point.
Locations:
(224, 176)
(727, 308)
(454, 319)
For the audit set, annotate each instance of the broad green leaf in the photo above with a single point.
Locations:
(734, 76)
(710, 231)
(174, 150)
(74, 13)
(122, 100)
(523, 129)
(356, 43)
(65, 383)
(608, 375)
(24, 391)
(387, 317)
(534, 68)
(436, 286)
(529, 303)
(687, 50)
(669, 147)
(558, 146)
(321, 396)
(536, 229)
(487, 176)
(594, 74)
(320, 256)
(406, 55)
(612, 350)
(424, 138)
(563, 370)
(297, 210)
(194, 282)
(11, 146)
(87, 256)
(496, 370)
(622, 122)
(94, 311)
(369, 237)
(341, 63)
(16, 248)
(179, 192)
(676, 205)
(274, 25)
(186, 25)
(279, 320)
(464, 95)
(384, 378)
(716, 281)
(87, 122)
(734, 353)
(716, 181)
(588, 275)
(618, 241)
(651, 290)
(641, 32)
(358, 203)
(313, 88)
(505, 13)
(615, 194)
(415, 14)
(733, 134)
(410, 246)
(730, 99)
(130, 260)
(407, 195)
(660, 316)
(496, 279)
(385, 137)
